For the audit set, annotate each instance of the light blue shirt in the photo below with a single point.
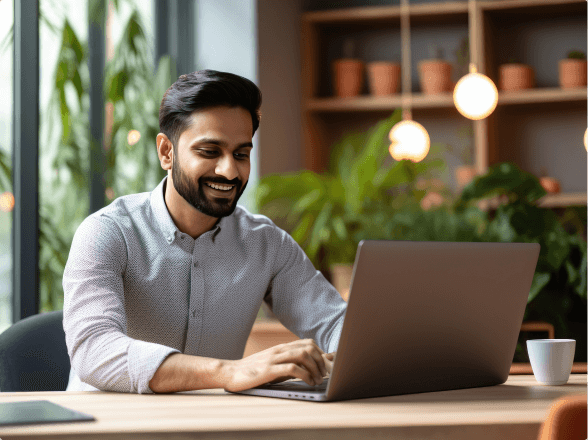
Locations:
(136, 289)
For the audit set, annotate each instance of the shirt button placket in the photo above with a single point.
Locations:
(197, 296)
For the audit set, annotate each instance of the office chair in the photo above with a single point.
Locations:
(33, 354)
(566, 419)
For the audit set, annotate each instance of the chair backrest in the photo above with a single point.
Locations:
(566, 419)
(33, 354)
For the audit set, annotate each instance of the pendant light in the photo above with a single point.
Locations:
(475, 95)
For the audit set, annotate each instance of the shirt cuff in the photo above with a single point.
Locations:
(144, 359)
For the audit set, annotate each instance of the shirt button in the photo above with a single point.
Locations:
(196, 264)
(169, 239)
(193, 313)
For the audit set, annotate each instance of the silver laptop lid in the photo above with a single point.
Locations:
(431, 316)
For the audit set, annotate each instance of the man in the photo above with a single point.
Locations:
(162, 288)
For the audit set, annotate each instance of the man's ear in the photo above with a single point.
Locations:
(164, 151)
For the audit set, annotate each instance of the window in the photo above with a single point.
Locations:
(6, 198)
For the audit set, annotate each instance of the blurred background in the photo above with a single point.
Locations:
(337, 77)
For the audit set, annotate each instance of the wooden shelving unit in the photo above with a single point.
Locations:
(325, 117)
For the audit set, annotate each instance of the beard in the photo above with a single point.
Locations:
(213, 206)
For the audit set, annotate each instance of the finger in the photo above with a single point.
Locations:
(328, 364)
(301, 357)
(317, 355)
(292, 370)
(313, 349)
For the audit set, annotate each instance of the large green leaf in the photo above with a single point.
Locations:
(319, 234)
(5, 172)
(70, 40)
(302, 230)
(116, 86)
(540, 280)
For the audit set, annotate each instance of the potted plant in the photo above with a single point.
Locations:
(435, 74)
(348, 73)
(331, 212)
(384, 77)
(572, 70)
(516, 76)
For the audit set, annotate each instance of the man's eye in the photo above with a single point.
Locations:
(208, 151)
(243, 156)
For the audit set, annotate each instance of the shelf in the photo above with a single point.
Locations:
(444, 100)
(498, 30)
(562, 200)
(378, 103)
(526, 7)
(353, 15)
(438, 10)
(542, 95)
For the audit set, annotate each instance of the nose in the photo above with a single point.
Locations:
(226, 167)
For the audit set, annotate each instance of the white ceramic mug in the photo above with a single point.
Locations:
(551, 359)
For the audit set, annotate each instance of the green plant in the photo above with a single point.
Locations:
(133, 88)
(558, 291)
(576, 55)
(333, 211)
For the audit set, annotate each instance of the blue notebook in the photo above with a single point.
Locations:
(37, 412)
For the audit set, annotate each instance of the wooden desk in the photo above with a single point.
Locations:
(515, 409)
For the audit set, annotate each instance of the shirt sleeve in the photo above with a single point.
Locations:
(94, 317)
(301, 297)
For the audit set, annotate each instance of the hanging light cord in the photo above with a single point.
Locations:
(406, 61)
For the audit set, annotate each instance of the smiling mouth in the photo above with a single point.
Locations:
(221, 191)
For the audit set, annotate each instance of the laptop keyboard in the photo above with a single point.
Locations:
(297, 385)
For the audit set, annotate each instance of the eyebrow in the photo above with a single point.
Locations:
(219, 143)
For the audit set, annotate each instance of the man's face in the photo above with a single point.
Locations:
(214, 149)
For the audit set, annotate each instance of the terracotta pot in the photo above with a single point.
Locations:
(550, 184)
(464, 175)
(384, 78)
(347, 77)
(341, 274)
(435, 76)
(516, 77)
(572, 73)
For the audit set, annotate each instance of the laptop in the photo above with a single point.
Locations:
(423, 317)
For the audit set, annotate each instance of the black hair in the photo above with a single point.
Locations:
(205, 89)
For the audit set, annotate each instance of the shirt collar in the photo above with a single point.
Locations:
(163, 219)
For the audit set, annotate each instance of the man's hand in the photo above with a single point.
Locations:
(301, 359)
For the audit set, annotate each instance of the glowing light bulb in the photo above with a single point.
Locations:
(475, 95)
(586, 139)
(133, 137)
(410, 141)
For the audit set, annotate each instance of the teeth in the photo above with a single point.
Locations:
(222, 188)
